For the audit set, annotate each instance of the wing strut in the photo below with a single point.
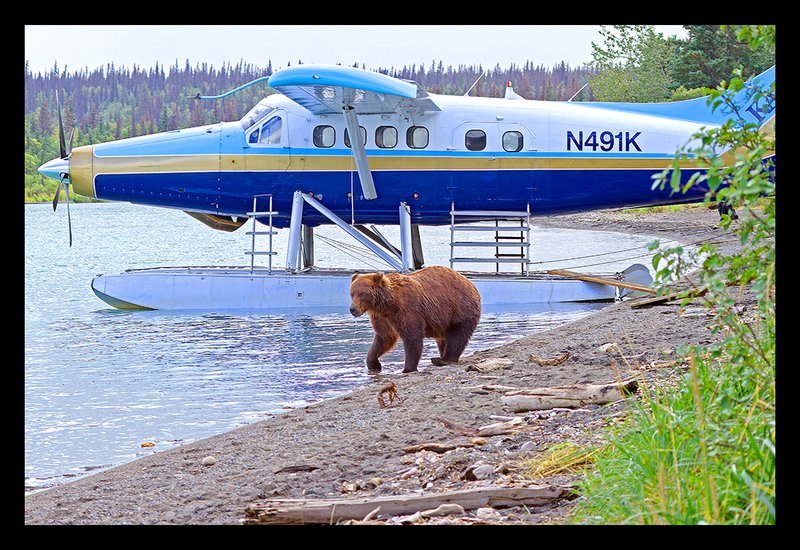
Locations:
(359, 153)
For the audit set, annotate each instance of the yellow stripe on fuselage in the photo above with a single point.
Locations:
(147, 164)
(319, 163)
(346, 163)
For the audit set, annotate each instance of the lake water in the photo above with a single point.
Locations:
(99, 382)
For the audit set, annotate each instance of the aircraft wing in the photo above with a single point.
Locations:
(329, 89)
(326, 89)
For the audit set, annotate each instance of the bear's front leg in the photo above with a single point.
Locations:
(385, 339)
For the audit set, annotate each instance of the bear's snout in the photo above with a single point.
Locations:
(354, 311)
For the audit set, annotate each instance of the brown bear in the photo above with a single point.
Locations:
(434, 302)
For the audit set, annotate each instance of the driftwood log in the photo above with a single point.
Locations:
(601, 280)
(569, 396)
(498, 428)
(330, 511)
(433, 447)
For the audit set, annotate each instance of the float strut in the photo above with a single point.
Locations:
(295, 237)
(406, 246)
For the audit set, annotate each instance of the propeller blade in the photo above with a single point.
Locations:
(69, 141)
(61, 144)
(69, 220)
(58, 192)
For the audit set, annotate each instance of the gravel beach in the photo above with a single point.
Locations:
(426, 441)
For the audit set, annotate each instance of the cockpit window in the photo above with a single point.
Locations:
(268, 134)
(271, 131)
(255, 114)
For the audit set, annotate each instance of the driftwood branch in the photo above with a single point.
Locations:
(304, 511)
(490, 364)
(601, 280)
(498, 428)
(433, 447)
(549, 362)
(570, 396)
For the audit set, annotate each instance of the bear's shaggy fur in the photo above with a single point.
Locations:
(435, 302)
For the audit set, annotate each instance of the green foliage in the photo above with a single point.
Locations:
(636, 64)
(631, 65)
(681, 93)
(704, 452)
(712, 52)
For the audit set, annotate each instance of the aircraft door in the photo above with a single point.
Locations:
(518, 159)
(474, 162)
(267, 147)
(251, 163)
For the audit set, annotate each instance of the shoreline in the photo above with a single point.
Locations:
(349, 446)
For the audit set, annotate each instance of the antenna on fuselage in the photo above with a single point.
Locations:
(230, 92)
(473, 84)
(576, 93)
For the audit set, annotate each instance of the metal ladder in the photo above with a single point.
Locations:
(253, 215)
(504, 237)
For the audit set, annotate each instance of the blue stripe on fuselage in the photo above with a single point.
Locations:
(547, 192)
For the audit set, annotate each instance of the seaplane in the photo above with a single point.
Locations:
(360, 149)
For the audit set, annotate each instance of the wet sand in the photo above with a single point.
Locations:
(352, 447)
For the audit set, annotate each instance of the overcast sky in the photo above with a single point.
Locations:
(377, 46)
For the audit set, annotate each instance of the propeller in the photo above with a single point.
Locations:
(65, 149)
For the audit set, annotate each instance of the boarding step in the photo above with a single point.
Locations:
(495, 228)
(253, 215)
(261, 214)
(524, 261)
(488, 243)
(511, 231)
(494, 214)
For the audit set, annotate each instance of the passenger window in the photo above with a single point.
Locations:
(475, 140)
(324, 136)
(386, 137)
(363, 133)
(512, 142)
(417, 137)
(271, 132)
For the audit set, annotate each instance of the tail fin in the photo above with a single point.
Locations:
(754, 102)
(757, 95)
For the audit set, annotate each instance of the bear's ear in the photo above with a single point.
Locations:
(353, 278)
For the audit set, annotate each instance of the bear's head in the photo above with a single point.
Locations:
(364, 290)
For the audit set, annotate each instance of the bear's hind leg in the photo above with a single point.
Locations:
(441, 343)
(413, 348)
(456, 341)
